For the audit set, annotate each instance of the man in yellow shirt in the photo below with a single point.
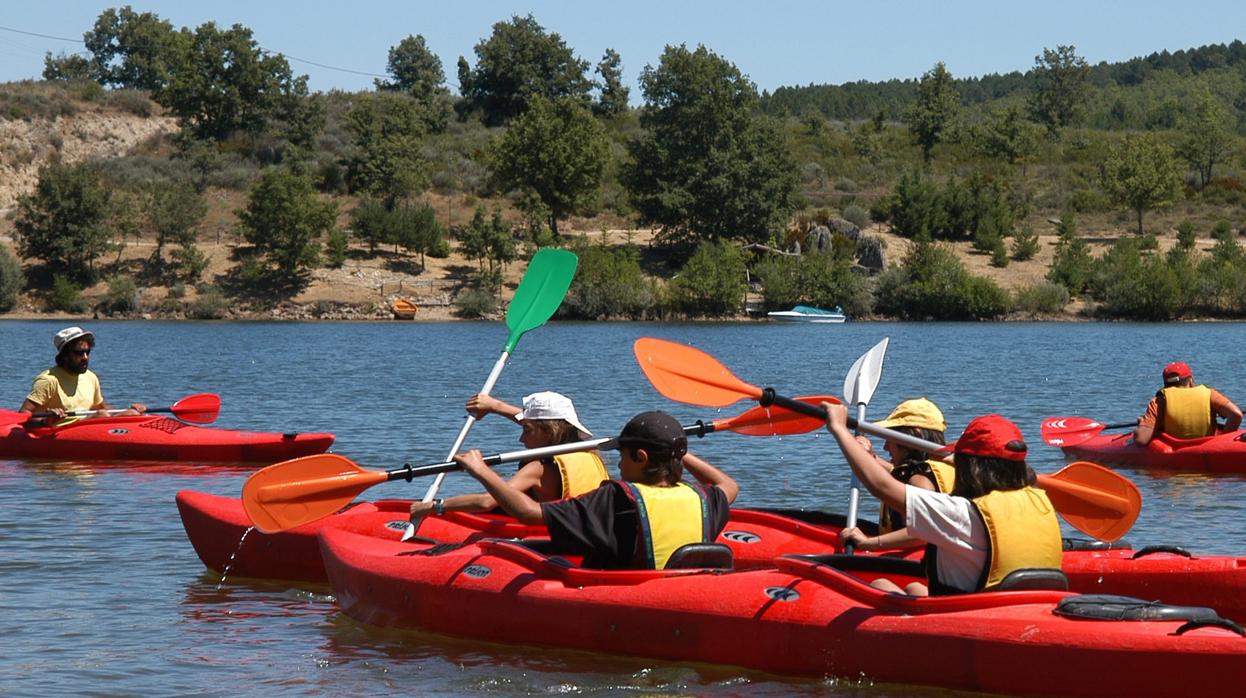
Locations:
(69, 386)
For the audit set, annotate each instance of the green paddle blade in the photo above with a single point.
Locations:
(540, 292)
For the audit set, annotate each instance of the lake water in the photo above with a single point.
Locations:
(101, 593)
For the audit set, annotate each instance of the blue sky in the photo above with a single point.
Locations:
(775, 43)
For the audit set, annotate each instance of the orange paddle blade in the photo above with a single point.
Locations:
(689, 375)
(775, 420)
(302, 490)
(1093, 499)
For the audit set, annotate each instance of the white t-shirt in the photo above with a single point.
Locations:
(951, 525)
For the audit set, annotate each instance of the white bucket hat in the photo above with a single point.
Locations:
(70, 335)
(551, 405)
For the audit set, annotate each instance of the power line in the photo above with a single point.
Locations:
(322, 65)
(41, 36)
(293, 58)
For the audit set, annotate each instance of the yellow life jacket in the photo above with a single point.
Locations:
(1024, 533)
(1187, 412)
(668, 517)
(944, 477)
(581, 472)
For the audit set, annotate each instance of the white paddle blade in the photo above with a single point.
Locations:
(864, 375)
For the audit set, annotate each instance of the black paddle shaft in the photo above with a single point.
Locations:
(409, 472)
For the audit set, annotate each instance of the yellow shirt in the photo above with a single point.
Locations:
(57, 387)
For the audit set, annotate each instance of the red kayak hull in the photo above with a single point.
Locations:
(1222, 453)
(801, 617)
(215, 525)
(154, 438)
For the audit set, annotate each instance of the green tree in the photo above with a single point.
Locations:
(555, 151)
(65, 221)
(474, 237)
(608, 283)
(12, 280)
(284, 219)
(414, 69)
(612, 99)
(223, 81)
(388, 131)
(370, 223)
(1141, 173)
(712, 282)
(174, 210)
(335, 249)
(502, 247)
(1060, 87)
(65, 66)
(1007, 135)
(416, 229)
(1208, 136)
(936, 108)
(516, 63)
(933, 283)
(131, 49)
(1071, 266)
(821, 280)
(706, 165)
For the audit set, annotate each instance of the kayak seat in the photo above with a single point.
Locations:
(1034, 579)
(701, 555)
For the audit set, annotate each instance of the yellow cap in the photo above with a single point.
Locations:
(919, 413)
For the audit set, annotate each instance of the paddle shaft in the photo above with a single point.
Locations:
(87, 413)
(854, 491)
(609, 443)
(467, 424)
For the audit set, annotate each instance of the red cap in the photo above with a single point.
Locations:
(1176, 372)
(991, 436)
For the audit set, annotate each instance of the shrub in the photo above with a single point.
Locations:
(712, 282)
(820, 280)
(856, 214)
(122, 295)
(932, 283)
(190, 262)
(1186, 237)
(210, 304)
(66, 295)
(475, 303)
(1043, 297)
(1024, 244)
(608, 283)
(11, 279)
(999, 255)
(335, 249)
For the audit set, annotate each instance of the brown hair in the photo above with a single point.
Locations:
(980, 475)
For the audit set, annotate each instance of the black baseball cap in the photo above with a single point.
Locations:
(656, 431)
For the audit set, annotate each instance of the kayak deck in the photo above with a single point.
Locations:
(215, 525)
(145, 437)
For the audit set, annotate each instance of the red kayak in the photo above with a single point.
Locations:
(146, 437)
(1221, 453)
(215, 526)
(807, 615)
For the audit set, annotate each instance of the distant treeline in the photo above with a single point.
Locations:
(1118, 98)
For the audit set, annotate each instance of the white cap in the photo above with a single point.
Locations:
(69, 335)
(550, 405)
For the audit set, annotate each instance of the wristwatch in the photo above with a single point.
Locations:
(439, 506)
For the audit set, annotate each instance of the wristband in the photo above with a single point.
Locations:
(439, 506)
